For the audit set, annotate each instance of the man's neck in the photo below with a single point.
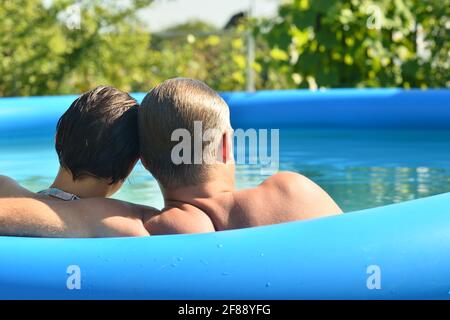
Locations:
(86, 187)
(221, 181)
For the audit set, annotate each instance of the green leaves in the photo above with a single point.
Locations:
(324, 43)
(278, 54)
(39, 54)
(364, 42)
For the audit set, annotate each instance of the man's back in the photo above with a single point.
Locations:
(284, 197)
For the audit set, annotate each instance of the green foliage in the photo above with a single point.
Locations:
(312, 43)
(434, 18)
(200, 51)
(39, 54)
(362, 43)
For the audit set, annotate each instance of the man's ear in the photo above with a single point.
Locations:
(226, 147)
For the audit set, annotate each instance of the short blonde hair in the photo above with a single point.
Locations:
(177, 104)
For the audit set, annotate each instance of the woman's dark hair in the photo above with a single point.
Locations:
(98, 135)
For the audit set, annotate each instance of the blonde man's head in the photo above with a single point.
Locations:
(179, 104)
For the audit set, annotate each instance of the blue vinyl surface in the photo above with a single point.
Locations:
(336, 108)
(326, 258)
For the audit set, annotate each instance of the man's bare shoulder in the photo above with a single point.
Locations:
(289, 182)
(301, 192)
(179, 220)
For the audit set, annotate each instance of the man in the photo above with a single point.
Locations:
(97, 145)
(201, 197)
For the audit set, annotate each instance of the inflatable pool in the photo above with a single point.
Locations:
(399, 251)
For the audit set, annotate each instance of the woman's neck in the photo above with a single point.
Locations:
(86, 187)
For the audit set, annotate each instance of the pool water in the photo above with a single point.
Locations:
(360, 169)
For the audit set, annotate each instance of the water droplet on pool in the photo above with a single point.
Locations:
(267, 284)
(226, 273)
(173, 265)
(220, 246)
(180, 259)
(262, 254)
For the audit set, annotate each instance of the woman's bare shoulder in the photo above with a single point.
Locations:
(10, 188)
(111, 217)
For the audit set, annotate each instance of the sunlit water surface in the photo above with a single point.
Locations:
(360, 169)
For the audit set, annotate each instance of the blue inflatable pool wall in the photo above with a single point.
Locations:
(394, 252)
